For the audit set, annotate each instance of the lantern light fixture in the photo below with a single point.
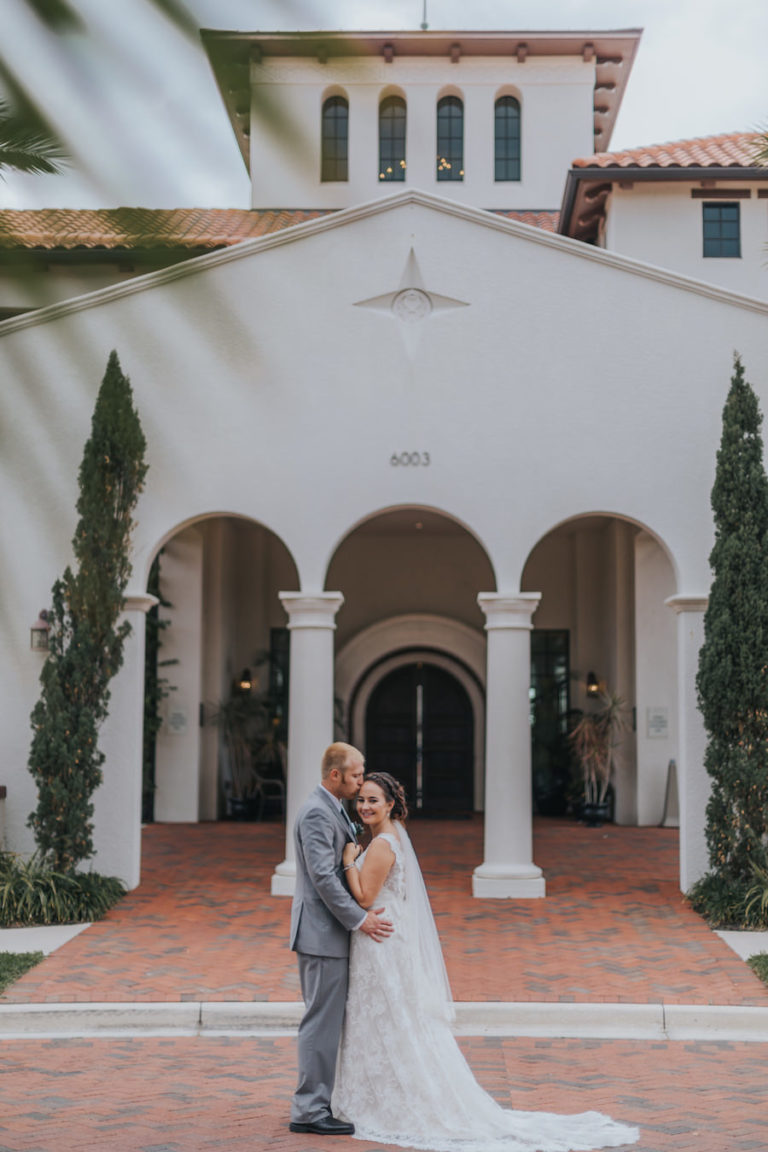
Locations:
(39, 632)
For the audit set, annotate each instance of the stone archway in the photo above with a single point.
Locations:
(604, 581)
(219, 582)
(391, 644)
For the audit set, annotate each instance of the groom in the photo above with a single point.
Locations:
(322, 917)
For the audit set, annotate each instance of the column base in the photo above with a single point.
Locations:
(284, 879)
(508, 882)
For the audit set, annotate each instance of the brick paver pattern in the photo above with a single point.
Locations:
(232, 1095)
(203, 926)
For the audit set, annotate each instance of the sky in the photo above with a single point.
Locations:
(139, 109)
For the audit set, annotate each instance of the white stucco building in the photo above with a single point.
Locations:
(439, 414)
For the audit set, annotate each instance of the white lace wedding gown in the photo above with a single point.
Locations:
(401, 1077)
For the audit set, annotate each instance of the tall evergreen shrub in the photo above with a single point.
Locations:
(732, 679)
(86, 640)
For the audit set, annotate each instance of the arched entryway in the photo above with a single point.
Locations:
(410, 578)
(419, 726)
(222, 636)
(603, 619)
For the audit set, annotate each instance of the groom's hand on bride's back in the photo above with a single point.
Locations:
(376, 926)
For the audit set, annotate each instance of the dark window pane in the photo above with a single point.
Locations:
(392, 121)
(450, 139)
(721, 230)
(507, 139)
(335, 139)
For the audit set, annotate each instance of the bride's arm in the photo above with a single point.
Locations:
(365, 883)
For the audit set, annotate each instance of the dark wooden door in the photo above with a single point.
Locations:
(420, 728)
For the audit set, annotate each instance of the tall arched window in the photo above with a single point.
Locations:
(507, 138)
(392, 138)
(450, 139)
(335, 139)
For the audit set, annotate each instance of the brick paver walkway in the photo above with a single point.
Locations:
(232, 1095)
(202, 925)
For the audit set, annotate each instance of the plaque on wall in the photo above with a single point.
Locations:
(657, 723)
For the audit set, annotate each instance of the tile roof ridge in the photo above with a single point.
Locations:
(730, 149)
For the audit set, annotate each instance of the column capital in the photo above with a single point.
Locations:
(508, 611)
(680, 604)
(139, 602)
(316, 611)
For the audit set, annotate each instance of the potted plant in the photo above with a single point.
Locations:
(594, 740)
(244, 721)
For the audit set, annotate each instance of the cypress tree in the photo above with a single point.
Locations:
(86, 640)
(732, 679)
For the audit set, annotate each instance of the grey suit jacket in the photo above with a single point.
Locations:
(323, 912)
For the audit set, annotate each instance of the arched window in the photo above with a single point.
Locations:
(335, 139)
(392, 138)
(507, 139)
(450, 139)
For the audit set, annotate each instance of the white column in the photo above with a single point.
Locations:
(311, 621)
(692, 780)
(508, 869)
(117, 802)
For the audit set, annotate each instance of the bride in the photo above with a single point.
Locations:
(401, 1077)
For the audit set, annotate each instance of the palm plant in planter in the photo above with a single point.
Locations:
(244, 721)
(594, 740)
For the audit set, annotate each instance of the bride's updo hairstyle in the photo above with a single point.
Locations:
(393, 790)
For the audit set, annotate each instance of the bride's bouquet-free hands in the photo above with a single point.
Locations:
(351, 852)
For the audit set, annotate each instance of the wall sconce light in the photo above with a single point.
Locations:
(593, 685)
(38, 633)
(245, 683)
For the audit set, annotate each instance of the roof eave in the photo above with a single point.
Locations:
(618, 174)
(231, 55)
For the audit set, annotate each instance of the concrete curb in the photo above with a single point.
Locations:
(545, 1020)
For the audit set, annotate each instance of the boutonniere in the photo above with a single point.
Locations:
(359, 829)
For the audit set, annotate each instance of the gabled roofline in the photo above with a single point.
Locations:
(232, 54)
(346, 216)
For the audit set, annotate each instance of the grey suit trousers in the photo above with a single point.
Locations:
(324, 988)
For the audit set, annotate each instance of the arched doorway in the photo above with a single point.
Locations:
(220, 651)
(410, 578)
(419, 726)
(603, 622)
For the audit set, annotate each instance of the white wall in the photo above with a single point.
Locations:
(553, 91)
(662, 224)
(571, 382)
(42, 284)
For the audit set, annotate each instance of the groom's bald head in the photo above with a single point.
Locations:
(340, 757)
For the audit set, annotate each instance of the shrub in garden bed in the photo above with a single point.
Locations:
(759, 965)
(15, 964)
(32, 893)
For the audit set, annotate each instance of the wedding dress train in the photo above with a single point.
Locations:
(401, 1077)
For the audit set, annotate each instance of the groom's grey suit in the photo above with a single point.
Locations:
(322, 917)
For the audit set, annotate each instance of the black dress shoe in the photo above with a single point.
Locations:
(328, 1126)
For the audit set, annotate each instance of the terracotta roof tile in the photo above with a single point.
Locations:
(65, 229)
(547, 220)
(194, 228)
(731, 150)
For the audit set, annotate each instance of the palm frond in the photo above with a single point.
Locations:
(25, 146)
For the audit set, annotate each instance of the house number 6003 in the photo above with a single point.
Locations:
(410, 459)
